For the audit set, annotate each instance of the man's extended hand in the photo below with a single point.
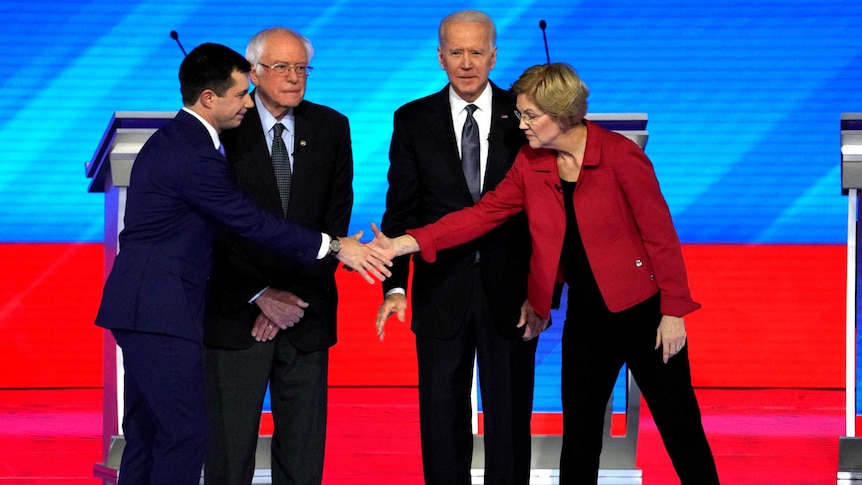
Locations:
(364, 258)
(534, 323)
(394, 303)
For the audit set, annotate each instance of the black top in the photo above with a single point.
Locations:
(583, 290)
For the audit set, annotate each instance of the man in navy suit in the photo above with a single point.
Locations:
(467, 304)
(181, 191)
(252, 286)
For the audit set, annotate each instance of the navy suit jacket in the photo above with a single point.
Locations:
(426, 182)
(181, 191)
(321, 199)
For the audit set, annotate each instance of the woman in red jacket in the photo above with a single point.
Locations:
(599, 222)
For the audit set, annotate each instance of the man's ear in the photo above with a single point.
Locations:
(207, 97)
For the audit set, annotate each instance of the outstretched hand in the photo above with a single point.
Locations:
(392, 247)
(382, 243)
(365, 259)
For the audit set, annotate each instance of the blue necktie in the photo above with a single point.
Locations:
(281, 164)
(470, 153)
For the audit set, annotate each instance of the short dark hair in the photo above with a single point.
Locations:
(209, 66)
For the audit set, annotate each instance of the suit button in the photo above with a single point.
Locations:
(639, 263)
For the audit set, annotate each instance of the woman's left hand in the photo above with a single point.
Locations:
(670, 336)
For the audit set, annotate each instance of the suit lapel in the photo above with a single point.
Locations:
(439, 125)
(502, 119)
(303, 139)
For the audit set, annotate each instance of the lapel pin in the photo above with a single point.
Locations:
(302, 143)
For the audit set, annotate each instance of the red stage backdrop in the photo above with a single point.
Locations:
(772, 318)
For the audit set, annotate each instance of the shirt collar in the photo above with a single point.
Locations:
(212, 131)
(267, 120)
(483, 102)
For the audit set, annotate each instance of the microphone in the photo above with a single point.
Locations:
(176, 37)
(542, 25)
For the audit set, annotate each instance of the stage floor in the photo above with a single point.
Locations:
(759, 437)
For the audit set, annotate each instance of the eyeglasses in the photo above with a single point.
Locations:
(527, 118)
(284, 69)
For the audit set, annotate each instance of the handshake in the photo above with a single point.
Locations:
(373, 259)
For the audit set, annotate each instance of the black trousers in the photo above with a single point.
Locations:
(236, 388)
(596, 343)
(506, 382)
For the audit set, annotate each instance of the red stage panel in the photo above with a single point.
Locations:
(773, 315)
(49, 295)
(359, 358)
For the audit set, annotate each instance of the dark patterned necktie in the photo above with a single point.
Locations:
(470, 153)
(281, 163)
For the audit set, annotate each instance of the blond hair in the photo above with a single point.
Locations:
(556, 89)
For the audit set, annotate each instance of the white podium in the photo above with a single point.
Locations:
(109, 170)
(850, 445)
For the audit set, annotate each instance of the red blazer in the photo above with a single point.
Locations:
(623, 219)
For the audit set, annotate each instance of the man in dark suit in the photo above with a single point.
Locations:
(468, 304)
(181, 189)
(252, 284)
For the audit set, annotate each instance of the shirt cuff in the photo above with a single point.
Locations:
(257, 295)
(394, 291)
(324, 245)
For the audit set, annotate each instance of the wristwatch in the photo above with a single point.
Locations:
(334, 246)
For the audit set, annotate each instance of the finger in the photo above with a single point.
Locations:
(265, 333)
(376, 273)
(375, 230)
(378, 266)
(259, 324)
(378, 261)
(364, 274)
(657, 339)
(382, 315)
(522, 320)
(381, 328)
(402, 314)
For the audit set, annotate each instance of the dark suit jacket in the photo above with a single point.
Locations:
(624, 221)
(181, 189)
(321, 199)
(426, 182)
